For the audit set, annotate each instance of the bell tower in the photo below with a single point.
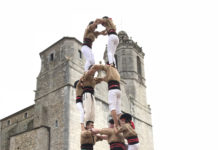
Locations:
(61, 64)
(130, 63)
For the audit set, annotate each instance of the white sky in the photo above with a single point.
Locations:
(179, 38)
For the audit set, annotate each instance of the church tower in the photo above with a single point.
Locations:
(61, 65)
(130, 63)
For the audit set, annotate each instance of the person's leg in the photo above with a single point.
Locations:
(130, 147)
(92, 117)
(109, 49)
(92, 58)
(113, 42)
(87, 52)
(133, 147)
(118, 103)
(137, 146)
(112, 97)
(116, 42)
(86, 105)
(80, 107)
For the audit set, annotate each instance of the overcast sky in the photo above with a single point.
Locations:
(180, 41)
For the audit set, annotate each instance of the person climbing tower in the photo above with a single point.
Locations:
(113, 39)
(89, 37)
(79, 92)
(87, 138)
(88, 98)
(114, 93)
(116, 140)
(128, 131)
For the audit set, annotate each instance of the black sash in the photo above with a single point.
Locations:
(112, 31)
(87, 146)
(117, 146)
(113, 84)
(88, 89)
(79, 99)
(132, 140)
(87, 42)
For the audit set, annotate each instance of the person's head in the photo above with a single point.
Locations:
(75, 83)
(105, 17)
(89, 124)
(91, 23)
(125, 118)
(111, 123)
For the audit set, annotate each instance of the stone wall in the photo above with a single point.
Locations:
(37, 139)
(19, 122)
(50, 111)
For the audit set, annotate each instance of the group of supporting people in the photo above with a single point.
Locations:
(120, 126)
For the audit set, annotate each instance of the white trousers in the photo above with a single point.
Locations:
(89, 107)
(113, 42)
(87, 52)
(114, 100)
(133, 147)
(80, 107)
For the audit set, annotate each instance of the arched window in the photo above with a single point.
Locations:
(139, 69)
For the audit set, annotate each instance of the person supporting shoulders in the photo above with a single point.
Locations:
(128, 131)
(79, 103)
(87, 138)
(89, 83)
(114, 93)
(115, 140)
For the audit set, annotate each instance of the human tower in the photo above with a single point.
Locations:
(120, 126)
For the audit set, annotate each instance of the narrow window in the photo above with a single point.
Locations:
(51, 57)
(25, 115)
(9, 122)
(80, 53)
(139, 69)
(56, 123)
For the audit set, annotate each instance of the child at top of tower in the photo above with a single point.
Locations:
(113, 39)
(89, 37)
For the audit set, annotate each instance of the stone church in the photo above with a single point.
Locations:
(52, 123)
